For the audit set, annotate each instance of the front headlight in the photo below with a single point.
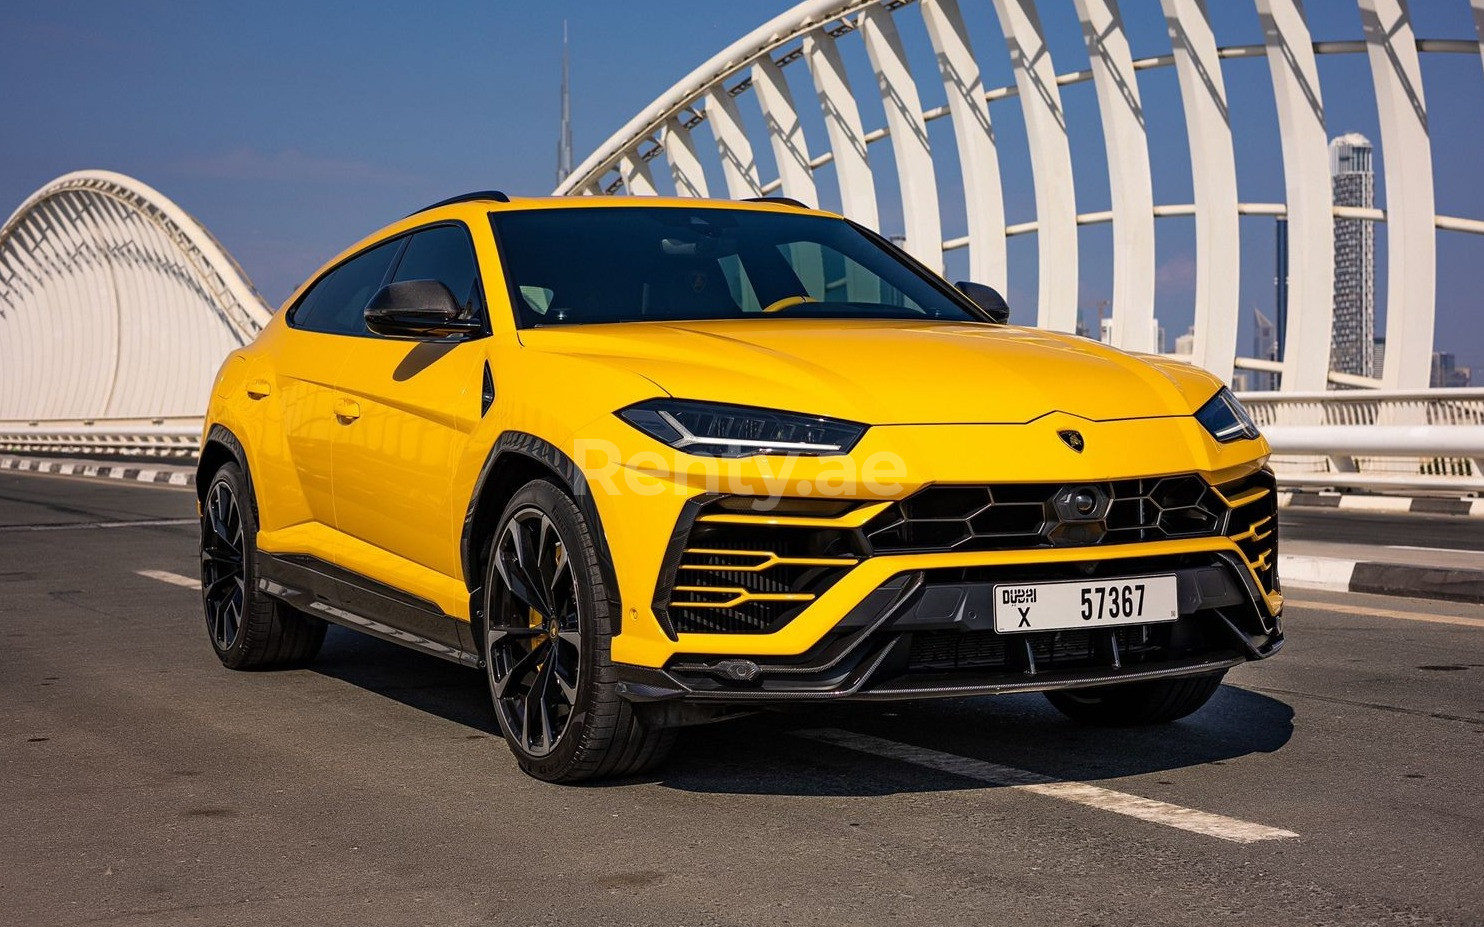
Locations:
(717, 430)
(1226, 419)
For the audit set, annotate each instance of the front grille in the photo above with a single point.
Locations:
(1253, 523)
(752, 578)
(961, 650)
(733, 569)
(1031, 515)
(906, 643)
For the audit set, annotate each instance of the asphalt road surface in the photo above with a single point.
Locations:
(1443, 532)
(142, 783)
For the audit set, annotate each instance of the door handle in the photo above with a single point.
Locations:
(258, 389)
(347, 410)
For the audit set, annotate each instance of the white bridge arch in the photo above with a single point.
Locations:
(114, 304)
(812, 31)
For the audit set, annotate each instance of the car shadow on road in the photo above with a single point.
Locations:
(773, 753)
(417, 680)
(770, 753)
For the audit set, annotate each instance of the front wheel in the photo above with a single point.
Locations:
(548, 624)
(1137, 703)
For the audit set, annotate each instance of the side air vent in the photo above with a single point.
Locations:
(1253, 524)
(742, 573)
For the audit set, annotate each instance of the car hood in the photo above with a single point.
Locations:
(888, 372)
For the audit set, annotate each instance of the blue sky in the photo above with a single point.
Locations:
(291, 129)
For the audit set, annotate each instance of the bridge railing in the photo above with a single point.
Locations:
(130, 437)
(1381, 440)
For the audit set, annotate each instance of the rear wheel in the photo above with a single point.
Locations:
(248, 629)
(547, 631)
(1132, 704)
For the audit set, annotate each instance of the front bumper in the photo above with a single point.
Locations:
(703, 577)
(929, 633)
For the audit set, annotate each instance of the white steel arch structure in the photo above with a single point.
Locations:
(812, 31)
(114, 304)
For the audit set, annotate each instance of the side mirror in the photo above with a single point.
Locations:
(988, 299)
(418, 310)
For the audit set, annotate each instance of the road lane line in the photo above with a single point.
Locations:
(78, 526)
(1134, 806)
(174, 579)
(1456, 620)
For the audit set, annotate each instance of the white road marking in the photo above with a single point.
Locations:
(174, 579)
(1145, 809)
(1376, 503)
(1438, 550)
(75, 526)
(1387, 613)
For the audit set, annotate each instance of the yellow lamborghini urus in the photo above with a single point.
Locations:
(647, 462)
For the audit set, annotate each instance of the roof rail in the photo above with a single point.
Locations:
(495, 195)
(777, 200)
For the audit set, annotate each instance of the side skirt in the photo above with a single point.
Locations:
(362, 604)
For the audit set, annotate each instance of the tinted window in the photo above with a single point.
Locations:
(337, 303)
(445, 254)
(634, 264)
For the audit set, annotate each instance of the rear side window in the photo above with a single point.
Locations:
(446, 254)
(337, 303)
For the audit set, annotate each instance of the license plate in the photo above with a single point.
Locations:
(1085, 604)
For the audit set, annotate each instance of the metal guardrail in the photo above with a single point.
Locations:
(1367, 407)
(132, 437)
(1379, 440)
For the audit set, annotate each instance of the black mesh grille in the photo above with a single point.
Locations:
(1029, 515)
(957, 650)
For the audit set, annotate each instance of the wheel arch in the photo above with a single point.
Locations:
(220, 447)
(515, 459)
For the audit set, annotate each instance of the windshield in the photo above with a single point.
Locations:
(585, 265)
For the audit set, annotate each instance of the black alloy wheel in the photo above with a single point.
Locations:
(248, 628)
(547, 627)
(534, 641)
(223, 565)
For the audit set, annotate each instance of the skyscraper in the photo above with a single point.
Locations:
(1353, 183)
(1264, 347)
(564, 143)
(1280, 284)
(1446, 372)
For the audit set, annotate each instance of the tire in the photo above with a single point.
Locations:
(547, 631)
(248, 629)
(1137, 703)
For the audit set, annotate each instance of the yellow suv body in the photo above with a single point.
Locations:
(632, 454)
